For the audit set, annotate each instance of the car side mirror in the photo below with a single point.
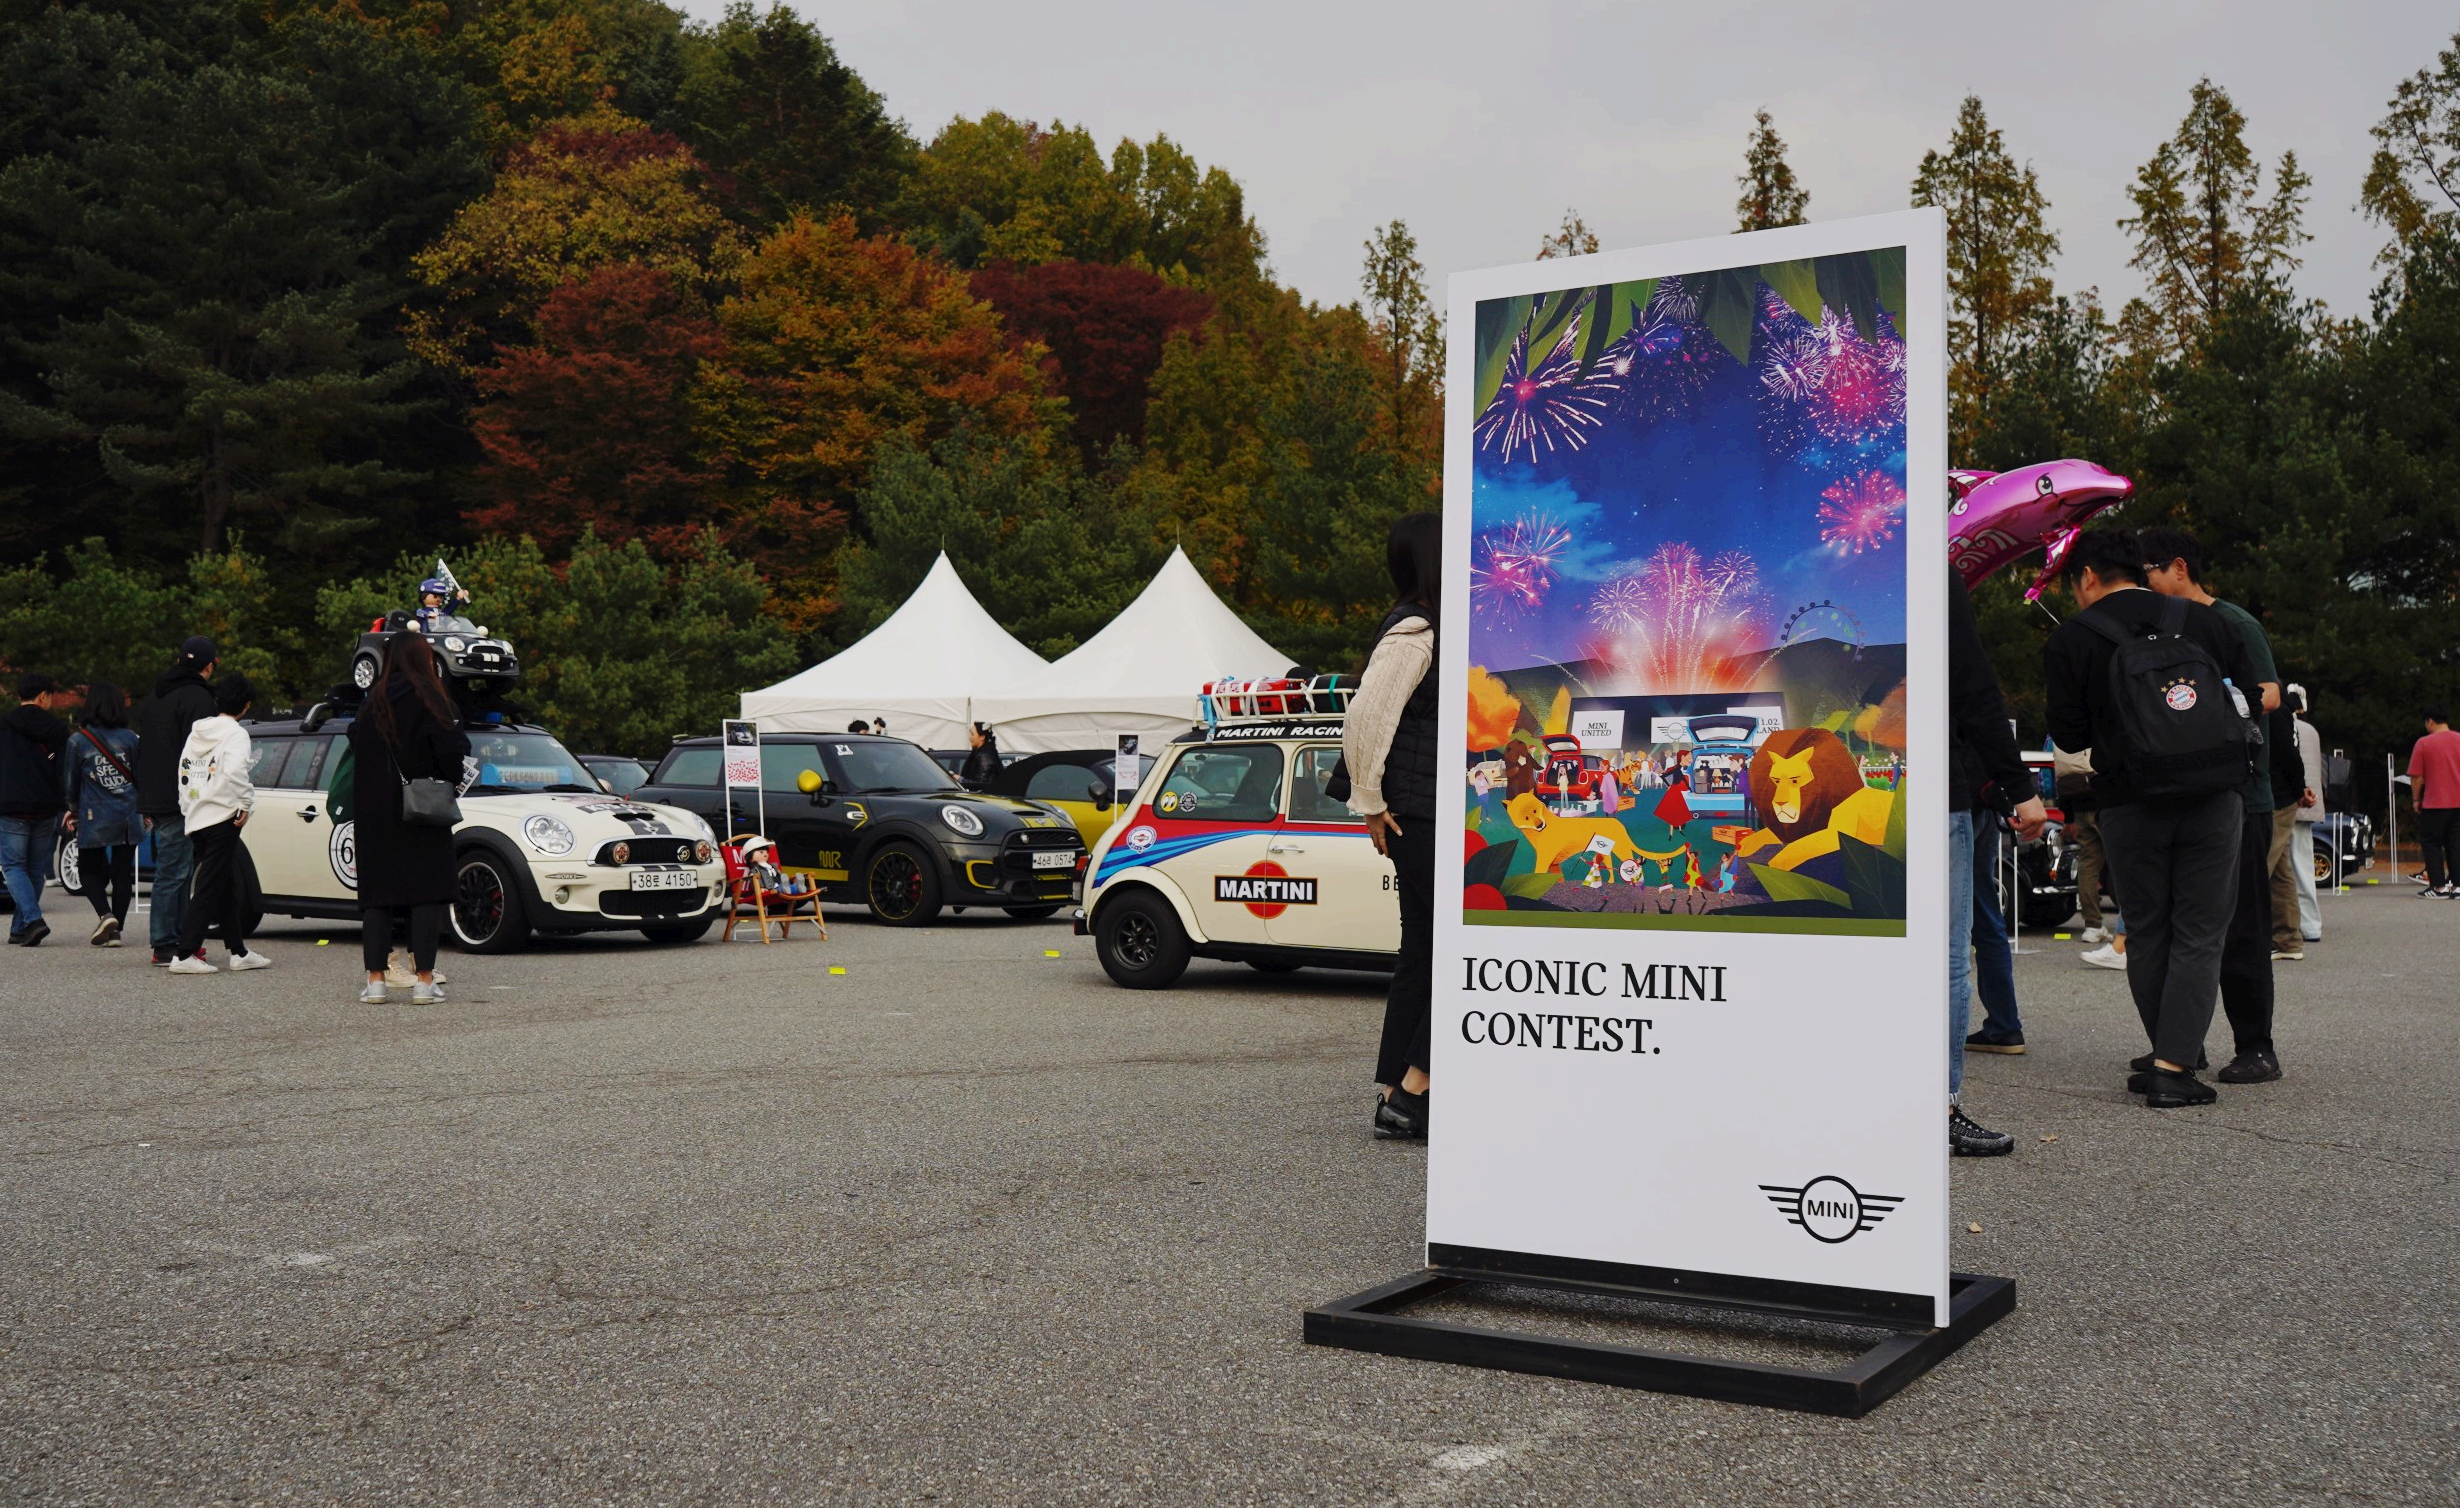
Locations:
(1100, 795)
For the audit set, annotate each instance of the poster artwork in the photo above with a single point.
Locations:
(742, 753)
(1687, 595)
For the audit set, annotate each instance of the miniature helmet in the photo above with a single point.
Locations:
(755, 847)
(437, 585)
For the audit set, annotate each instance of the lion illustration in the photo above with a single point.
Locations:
(1553, 839)
(1809, 792)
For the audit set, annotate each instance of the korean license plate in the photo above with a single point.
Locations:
(1057, 858)
(665, 879)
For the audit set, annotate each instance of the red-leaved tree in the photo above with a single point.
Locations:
(592, 426)
(1105, 326)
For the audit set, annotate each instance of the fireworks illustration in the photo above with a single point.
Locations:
(1547, 404)
(1794, 366)
(1658, 368)
(1680, 623)
(1861, 394)
(1861, 513)
(1513, 567)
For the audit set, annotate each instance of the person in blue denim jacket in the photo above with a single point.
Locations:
(102, 808)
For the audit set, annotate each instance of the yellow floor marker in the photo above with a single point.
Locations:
(2064, 936)
(837, 968)
(1050, 952)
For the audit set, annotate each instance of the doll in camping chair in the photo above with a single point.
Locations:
(758, 891)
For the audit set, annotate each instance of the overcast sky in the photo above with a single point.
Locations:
(1480, 124)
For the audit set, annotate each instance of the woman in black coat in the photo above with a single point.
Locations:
(408, 730)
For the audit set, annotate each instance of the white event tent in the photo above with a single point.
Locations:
(1141, 674)
(926, 670)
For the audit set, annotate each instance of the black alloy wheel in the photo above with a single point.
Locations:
(1140, 942)
(1033, 913)
(487, 911)
(901, 887)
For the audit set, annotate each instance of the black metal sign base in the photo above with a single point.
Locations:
(1374, 1321)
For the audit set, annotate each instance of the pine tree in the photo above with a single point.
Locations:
(1770, 196)
(2412, 187)
(1403, 319)
(1998, 255)
(2202, 233)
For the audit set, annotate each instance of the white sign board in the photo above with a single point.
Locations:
(1736, 1064)
(1600, 731)
(741, 743)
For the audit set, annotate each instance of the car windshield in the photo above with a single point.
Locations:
(886, 766)
(447, 623)
(524, 762)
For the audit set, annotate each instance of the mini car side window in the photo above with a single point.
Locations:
(1237, 784)
(1308, 803)
(1063, 782)
(305, 769)
(265, 756)
(782, 765)
(692, 767)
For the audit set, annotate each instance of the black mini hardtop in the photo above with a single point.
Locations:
(893, 848)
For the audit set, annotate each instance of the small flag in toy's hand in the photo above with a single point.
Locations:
(1672, 809)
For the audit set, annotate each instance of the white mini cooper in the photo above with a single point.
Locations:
(542, 847)
(1231, 850)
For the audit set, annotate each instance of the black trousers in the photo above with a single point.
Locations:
(2438, 834)
(2246, 954)
(2174, 865)
(424, 923)
(1410, 1005)
(110, 878)
(213, 895)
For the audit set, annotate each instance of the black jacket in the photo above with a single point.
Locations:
(401, 865)
(33, 764)
(2076, 668)
(180, 701)
(1984, 768)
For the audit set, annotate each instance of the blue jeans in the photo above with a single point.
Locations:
(174, 862)
(1994, 967)
(25, 857)
(1960, 945)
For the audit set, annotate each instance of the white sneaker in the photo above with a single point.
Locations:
(398, 972)
(2096, 935)
(2288, 955)
(242, 962)
(2107, 957)
(190, 965)
(374, 994)
(427, 994)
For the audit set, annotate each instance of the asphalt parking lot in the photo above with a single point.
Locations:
(967, 1224)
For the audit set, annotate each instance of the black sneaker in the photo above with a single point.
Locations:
(1402, 1117)
(1968, 1137)
(2172, 1091)
(1985, 1042)
(33, 936)
(2258, 1067)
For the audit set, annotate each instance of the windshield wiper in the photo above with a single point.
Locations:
(586, 790)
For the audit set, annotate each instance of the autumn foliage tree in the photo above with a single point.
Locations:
(1104, 327)
(840, 340)
(592, 425)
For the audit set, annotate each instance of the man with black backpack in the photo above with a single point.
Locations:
(2174, 567)
(2139, 679)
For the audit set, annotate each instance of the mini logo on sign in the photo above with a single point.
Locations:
(1140, 838)
(2180, 696)
(1266, 889)
(1830, 1209)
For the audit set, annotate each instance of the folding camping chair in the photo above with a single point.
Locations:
(747, 899)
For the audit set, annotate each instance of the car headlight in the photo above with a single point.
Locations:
(548, 834)
(621, 853)
(962, 819)
(704, 851)
(453, 642)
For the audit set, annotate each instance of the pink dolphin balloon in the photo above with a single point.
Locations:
(1999, 517)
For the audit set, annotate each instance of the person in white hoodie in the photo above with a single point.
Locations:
(215, 798)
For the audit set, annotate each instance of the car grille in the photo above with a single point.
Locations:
(1016, 858)
(652, 903)
(650, 851)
